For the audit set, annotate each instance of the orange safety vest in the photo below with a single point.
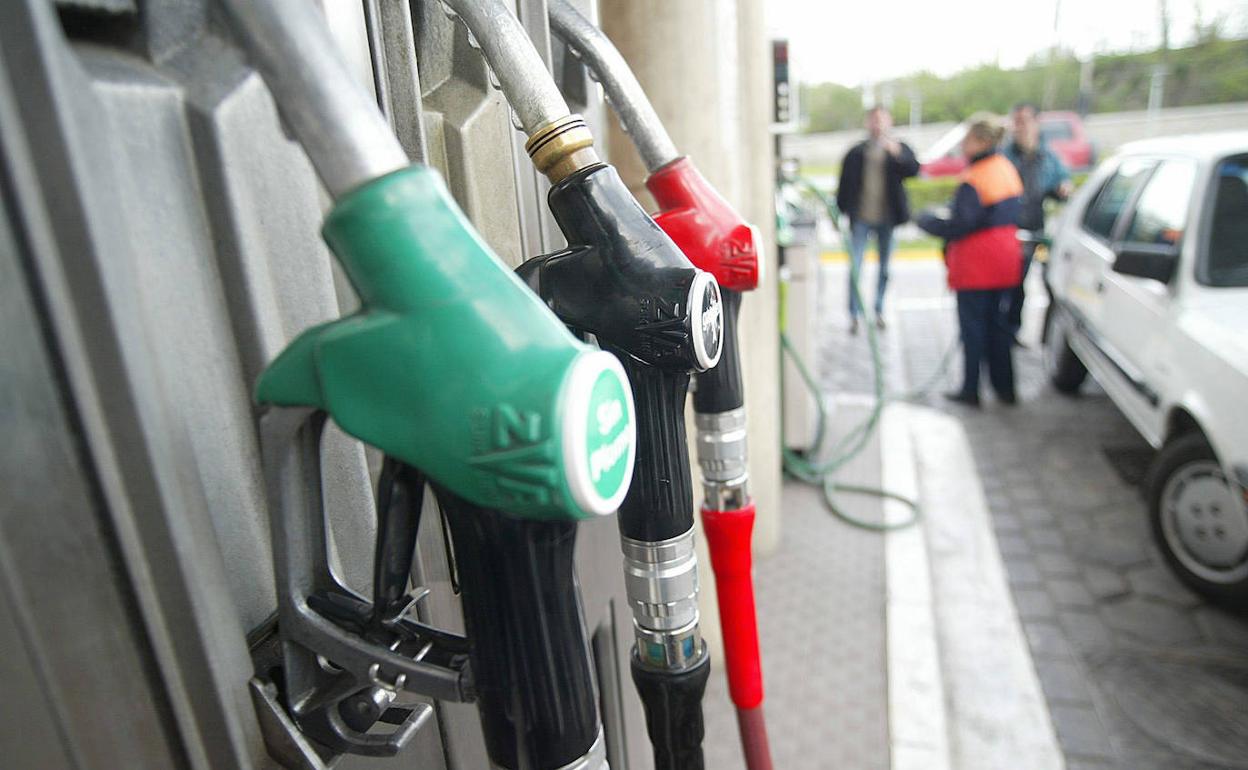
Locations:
(991, 257)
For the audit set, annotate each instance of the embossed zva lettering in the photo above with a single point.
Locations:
(519, 460)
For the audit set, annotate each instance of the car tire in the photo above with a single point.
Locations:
(1064, 368)
(1199, 523)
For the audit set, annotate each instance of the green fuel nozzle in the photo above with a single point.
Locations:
(453, 366)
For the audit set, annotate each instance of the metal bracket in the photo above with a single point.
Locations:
(340, 673)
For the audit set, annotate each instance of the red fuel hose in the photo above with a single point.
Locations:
(728, 535)
(728, 538)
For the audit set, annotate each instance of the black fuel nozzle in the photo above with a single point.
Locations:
(624, 281)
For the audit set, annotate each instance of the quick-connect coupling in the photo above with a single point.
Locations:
(562, 147)
(661, 580)
(723, 458)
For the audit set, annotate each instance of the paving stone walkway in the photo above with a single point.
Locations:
(1139, 672)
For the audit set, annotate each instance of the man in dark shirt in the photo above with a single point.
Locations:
(871, 194)
(1044, 176)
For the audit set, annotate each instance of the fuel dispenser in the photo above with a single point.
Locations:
(457, 371)
(716, 239)
(623, 281)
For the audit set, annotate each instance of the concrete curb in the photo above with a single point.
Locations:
(996, 713)
(918, 731)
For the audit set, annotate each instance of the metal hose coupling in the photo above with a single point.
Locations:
(722, 456)
(661, 580)
(562, 147)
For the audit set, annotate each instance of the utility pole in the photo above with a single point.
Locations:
(1156, 93)
(1164, 8)
(1050, 86)
(1087, 71)
(1157, 82)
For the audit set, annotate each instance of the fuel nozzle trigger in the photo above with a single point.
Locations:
(338, 662)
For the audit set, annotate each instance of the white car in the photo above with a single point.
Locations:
(1148, 270)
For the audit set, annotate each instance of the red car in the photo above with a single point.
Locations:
(1062, 131)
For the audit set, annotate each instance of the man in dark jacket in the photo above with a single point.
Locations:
(1044, 176)
(871, 194)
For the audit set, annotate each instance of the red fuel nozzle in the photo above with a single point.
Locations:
(706, 228)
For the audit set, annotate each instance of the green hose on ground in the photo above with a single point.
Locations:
(805, 466)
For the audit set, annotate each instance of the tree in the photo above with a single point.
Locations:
(1213, 70)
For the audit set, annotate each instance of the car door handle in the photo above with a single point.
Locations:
(1100, 287)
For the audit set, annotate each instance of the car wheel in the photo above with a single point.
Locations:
(1199, 522)
(1064, 368)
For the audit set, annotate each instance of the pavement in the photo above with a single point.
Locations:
(821, 628)
(1049, 632)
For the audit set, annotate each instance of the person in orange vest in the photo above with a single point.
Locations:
(983, 258)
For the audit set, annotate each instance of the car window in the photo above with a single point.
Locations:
(1226, 260)
(1160, 215)
(948, 145)
(1056, 131)
(1115, 194)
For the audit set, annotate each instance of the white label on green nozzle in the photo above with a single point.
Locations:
(610, 439)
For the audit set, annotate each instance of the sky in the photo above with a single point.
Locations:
(853, 42)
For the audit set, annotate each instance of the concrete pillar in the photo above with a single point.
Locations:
(706, 66)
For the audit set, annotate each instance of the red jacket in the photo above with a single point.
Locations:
(982, 250)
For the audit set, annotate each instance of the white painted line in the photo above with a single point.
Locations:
(918, 732)
(996, 712)
(908, 304)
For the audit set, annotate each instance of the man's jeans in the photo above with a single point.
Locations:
(857, 248)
